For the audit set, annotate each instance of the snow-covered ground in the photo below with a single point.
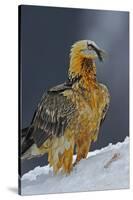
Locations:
(104, 169)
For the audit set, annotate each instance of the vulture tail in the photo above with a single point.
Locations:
(26, 143)
(28, 147)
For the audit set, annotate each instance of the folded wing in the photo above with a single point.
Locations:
(52, 116)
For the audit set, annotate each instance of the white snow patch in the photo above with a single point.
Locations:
(104, 169)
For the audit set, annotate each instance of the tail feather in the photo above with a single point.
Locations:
(31, 152)
(28, 148)
(26, 140)
(24, 132)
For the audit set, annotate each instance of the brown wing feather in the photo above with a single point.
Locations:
(52, 116)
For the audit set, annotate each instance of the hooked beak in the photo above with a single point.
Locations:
(100, 53)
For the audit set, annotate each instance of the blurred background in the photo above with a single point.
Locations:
(47, 34)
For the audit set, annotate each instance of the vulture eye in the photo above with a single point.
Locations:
(90, 47)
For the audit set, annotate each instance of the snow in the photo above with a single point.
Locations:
(104, 169)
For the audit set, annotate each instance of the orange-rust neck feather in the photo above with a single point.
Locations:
(85, 68)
